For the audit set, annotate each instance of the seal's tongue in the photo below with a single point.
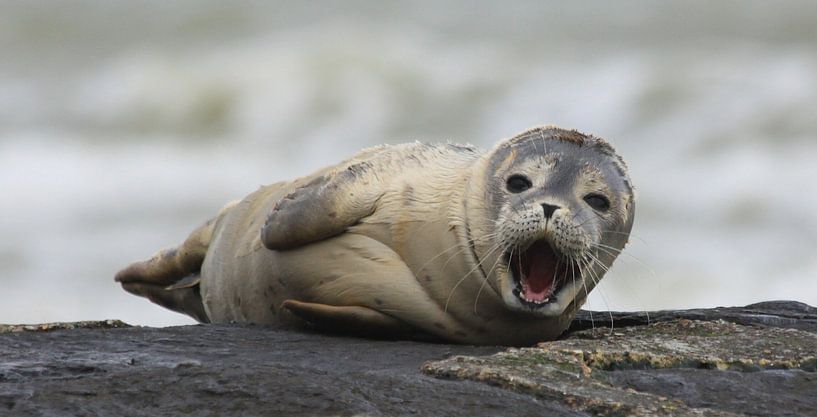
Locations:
(538, 272)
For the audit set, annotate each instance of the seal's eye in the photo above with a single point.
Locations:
(518, 183)
(598, 202)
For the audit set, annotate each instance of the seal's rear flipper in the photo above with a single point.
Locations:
(187, 282)
(354, 320)
(184, 299)
(171, 277)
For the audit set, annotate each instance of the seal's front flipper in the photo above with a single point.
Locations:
(333, 201)
(355, 320)
(322, 208)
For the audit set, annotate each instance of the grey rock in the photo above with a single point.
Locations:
(674, 368)
(215, 370)
(753, 360)
(786, 314)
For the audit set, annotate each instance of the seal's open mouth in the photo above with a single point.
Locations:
(538, 272)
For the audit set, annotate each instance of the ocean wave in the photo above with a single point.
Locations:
(111, 148)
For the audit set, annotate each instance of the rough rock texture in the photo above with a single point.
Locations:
(786, 314)
(45, 327)
(237, 370)
(673, 366)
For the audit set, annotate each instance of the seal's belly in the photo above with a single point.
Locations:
(346, 270)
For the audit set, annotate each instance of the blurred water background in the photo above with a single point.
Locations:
(124, 125)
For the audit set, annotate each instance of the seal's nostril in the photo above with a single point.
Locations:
(549, 209)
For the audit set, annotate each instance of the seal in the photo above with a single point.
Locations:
(443, 240)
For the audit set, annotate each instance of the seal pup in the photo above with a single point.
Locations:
(499, 247)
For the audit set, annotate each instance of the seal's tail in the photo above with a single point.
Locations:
(171, 277)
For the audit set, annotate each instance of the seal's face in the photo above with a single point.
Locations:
(563, 209)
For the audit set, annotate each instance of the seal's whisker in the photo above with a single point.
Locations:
(462, 249)
(455, 246)
(586, 291)
(582, 274)
(607, 270)
(611, 250)
(593, 261)
(453, 255)
(485, 281)
(597, 261)
(614, 252)
(480, 239)
(597, 257)
(596, 279)
(467, 274)
(606, 251)
(634, 236)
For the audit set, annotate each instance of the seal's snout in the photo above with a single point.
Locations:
(549, 209)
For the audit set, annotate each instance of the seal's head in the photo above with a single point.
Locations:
(561, 206)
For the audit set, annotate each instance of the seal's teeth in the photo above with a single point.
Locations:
(522, 297)
(533, 303)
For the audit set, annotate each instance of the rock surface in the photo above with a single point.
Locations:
(754, 360)
(675, 368)
(785, 314)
